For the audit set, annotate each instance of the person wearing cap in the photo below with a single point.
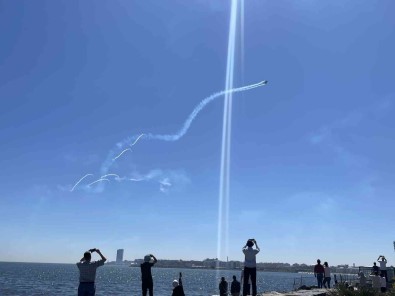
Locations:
(87, 270)
(178, 289)
(250, 265)
(146, 276)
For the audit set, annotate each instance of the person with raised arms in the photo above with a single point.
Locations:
(146, 277)
(87, 270)
(250, 265)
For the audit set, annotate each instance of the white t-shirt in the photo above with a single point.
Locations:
(327, 271)
(250, 257)
(383, 265)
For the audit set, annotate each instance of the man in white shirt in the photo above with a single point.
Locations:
(250, 265)
(383, 266)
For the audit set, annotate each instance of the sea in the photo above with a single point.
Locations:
(62, 279)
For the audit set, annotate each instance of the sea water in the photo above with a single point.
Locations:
(62, 279)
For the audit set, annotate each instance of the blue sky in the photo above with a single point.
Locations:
(311, 153)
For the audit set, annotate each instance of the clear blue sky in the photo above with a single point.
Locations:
(312, 171)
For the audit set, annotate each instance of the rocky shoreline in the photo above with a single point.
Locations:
(312, 292)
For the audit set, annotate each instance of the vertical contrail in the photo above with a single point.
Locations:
(242, 40)
(223, 200)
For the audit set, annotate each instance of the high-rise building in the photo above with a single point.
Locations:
(119, 256)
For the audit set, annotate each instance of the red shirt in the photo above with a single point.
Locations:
(318, 268)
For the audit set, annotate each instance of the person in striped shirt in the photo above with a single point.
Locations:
(87, 270)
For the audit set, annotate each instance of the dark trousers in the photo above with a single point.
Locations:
(147, 286)
(320, 277)
(86, 289)
(248, 288)
(327, 280)
(249, 272)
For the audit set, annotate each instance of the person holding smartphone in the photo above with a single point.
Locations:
(250, 265)
(87, 270)
(147, 284)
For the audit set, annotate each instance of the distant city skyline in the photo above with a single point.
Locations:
(310, 166)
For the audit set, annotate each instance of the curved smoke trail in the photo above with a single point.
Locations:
(79, 181)
(184, 129)
(100, 180)
(131, 141)
(118, 156)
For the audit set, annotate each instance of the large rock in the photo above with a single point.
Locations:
(312, 292)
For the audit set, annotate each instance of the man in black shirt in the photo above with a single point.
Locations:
(223, 287)
(146, 276)
(235, 287)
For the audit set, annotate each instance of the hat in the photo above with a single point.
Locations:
(147, 258)
(175, 283)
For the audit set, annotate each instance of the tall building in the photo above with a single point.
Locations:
(119, 256)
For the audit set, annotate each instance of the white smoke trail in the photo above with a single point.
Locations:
(198, 108)
(192, 116)
(107, 175)
(72, 189)
(115, 158)
(100, 180)
(136, 180)
(175, 137)
(138, 138)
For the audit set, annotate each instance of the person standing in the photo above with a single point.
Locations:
(383, 284)
(146, 276)
(248, 288)
(178, 289)
(383, 266)
(250, 265)
(327, 275)
(319, 273)
(223, 287)
(376, 282)
(362, 279)
(375, 268)
(87, 270)
(235, 287)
